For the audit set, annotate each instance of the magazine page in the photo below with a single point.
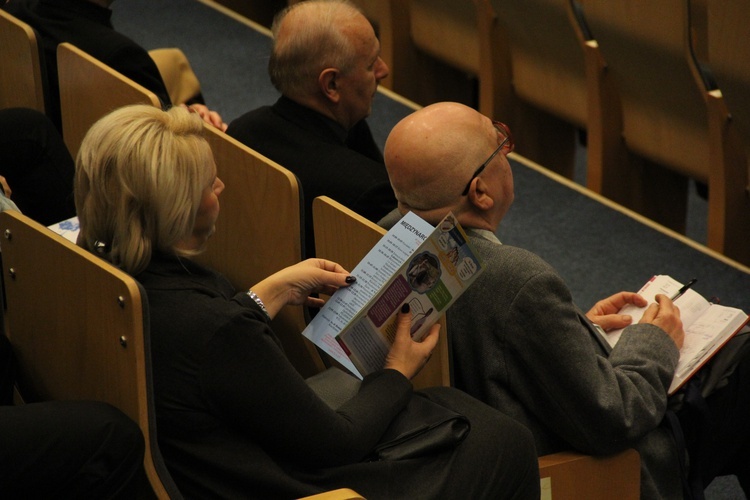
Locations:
(68, 228)
(426, 267)
(372, 273)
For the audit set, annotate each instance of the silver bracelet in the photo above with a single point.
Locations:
(257, 300)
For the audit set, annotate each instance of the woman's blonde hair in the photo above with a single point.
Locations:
(140, 175)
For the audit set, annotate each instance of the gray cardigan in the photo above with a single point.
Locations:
(519, 343)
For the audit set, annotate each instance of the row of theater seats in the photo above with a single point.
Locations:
(65, 353)
(660, 88)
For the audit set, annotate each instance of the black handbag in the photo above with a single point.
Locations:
(424, 427)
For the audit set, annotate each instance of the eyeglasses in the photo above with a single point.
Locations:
(507, 144)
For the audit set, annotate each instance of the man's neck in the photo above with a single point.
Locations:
(322, 108)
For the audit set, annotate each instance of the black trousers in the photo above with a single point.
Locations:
(37, 165)
(717, 433)
(66, 449)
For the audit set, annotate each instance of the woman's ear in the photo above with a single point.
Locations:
(328, 83)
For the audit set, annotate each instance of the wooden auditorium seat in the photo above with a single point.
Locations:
(344, 236)
(572, 476)
(89, 89)
(547, 56)
(663, 129)
(259, 232)
(390, 18)
(447, 30)
(450, 33)
(79, 330)
(545, 99)
(432, 48)
(537, 84)
(21, 79)
(728, 57)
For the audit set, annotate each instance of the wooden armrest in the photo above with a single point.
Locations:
(340, 494)
(573, 475)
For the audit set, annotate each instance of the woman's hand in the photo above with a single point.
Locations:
(604, 312)
(406, 355)
(294, 284)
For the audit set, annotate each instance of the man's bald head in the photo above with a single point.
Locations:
(433, 158)
(432, 153)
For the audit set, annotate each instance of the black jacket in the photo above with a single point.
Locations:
(327, 160)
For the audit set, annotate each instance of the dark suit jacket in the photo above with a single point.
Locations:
(327, 160)
(88, 27)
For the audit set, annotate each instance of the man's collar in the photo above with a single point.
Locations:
(484, 234)
(292, 108)
(392, 218)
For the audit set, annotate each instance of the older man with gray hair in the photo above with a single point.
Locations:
(326, 63)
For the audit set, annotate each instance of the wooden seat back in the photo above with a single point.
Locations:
(662, 133)
(647, 48)
(79, 330)
(729, 118)
(547, 57)
(89, 89)
(21, 80)
(545, 97)
(258, 233)
(729, 57)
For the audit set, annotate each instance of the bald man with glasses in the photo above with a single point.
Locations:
(520, 344)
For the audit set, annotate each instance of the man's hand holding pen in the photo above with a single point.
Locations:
(666, 315)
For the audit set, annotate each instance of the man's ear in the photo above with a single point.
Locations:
(328, 83)
(479, 195)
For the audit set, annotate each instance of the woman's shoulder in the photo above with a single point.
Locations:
(166, 271)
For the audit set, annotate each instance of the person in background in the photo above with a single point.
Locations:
(326, 63)
(54, 449)
(234, 417)
(519, 343)
(87, 24)
(65, 449)
(36, 167)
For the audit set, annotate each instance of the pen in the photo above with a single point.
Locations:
(684, 289)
